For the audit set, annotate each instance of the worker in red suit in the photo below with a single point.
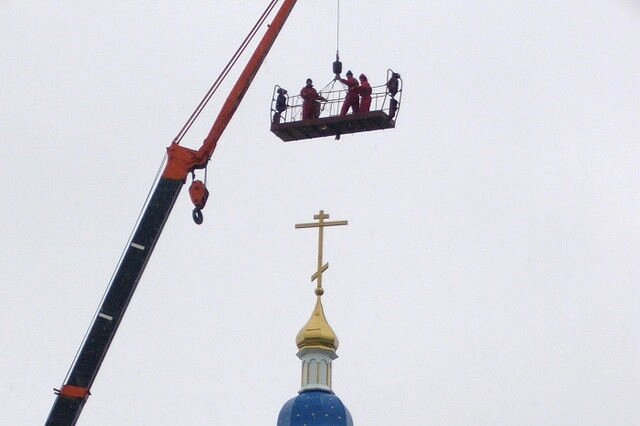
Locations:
(351, 100)
(310, 98)
(365, 94)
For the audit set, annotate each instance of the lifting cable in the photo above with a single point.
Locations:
(332, 83)
(337, 65)
(224, 73)
(338, 33)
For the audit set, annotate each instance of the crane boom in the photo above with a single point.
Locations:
(183, 160)
(72, 396)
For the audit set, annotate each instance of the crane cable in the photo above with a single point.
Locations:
(337, 65)
(214, 87)
(338, 33)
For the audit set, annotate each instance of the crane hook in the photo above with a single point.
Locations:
(197, 216)
(199, 195)
(337, 65)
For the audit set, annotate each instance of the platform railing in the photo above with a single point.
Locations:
(381, 100)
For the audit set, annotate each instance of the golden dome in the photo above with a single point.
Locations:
(317, 333)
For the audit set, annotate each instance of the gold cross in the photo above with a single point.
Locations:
(320, 224)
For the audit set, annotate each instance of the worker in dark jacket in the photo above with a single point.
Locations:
(281, 104)
(351, 100)
(393, 84)
(365, 94)
(310, 98)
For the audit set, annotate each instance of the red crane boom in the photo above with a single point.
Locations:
(183, 160)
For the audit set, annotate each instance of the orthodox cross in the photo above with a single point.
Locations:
(321, 216)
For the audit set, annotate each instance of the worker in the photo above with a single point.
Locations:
(393, 84)
(281, 105)
(351, 99)
(310, 98)
(365, 94)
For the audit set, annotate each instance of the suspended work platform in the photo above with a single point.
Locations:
(333, 126)
(289, 126)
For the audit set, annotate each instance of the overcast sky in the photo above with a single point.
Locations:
(489, 274)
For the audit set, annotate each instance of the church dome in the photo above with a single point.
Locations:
(314, 408)
(317, 333)
(316, 404)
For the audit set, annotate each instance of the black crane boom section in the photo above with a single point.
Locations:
(68, 405)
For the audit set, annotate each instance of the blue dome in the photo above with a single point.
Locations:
(314, 408)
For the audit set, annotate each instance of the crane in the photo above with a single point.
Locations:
(73, 394)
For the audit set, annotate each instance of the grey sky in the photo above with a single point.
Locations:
(489, 273)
